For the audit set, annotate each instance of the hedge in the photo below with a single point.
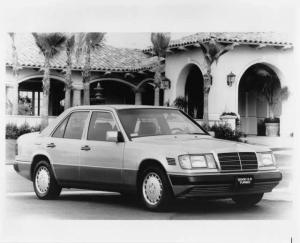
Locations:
(13, 131)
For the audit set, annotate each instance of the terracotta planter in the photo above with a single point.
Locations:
(272, 129)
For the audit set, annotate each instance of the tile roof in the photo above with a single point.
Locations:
(105, 58)
(246, 38)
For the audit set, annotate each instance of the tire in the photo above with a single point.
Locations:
(44, 182)
(154, 189)
(247, 200)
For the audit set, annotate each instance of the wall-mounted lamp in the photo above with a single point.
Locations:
(230, 79)
(166, 83)
(207, 79)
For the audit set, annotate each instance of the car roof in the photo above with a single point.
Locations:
(120, 107)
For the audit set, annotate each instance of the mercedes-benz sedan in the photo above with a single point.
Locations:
(156, 153)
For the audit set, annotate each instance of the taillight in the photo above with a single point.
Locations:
(16, 149)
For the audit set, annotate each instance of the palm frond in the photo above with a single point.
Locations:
(160, 42)
(49, 43)
(89, 40)
(93, 39)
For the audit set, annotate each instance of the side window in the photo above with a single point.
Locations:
(101, 122)
(76, 124)
(59, 132)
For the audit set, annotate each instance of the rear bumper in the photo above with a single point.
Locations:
(222, 184)
(23, 168)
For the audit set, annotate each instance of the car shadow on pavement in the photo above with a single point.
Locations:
(184, 206)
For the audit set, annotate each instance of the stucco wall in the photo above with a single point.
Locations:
(221, 96)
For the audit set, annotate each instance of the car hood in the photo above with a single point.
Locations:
(198, 144)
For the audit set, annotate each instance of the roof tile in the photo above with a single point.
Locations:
(102, 58)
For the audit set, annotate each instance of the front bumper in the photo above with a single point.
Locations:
(223, 184)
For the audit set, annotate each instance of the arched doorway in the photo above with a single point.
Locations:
(194, 95)
(113, 92)
(30, 94)
(147, 91)
(253, 106)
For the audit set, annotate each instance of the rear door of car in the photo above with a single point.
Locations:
(64, 146)
(101, 161)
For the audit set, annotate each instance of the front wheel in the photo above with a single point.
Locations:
(44, 182)
(247, 200)
(155, 190)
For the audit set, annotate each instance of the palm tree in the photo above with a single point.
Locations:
(16, 67)
(212, 50)
(50, 44)
(70, 41)
(85, 43)
(160, 42)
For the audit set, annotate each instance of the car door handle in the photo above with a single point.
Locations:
(51, 145)
(86, 148)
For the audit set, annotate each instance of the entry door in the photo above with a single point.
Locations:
(101, 162)
(64, 146)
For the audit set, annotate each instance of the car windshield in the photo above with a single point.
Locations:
(142, 122)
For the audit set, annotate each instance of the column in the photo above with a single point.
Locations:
(138, 98)
(77, 87)
(76, 97)
(12, 97)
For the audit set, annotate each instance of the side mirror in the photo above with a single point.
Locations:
(114, 136)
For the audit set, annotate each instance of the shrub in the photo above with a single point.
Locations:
(13, 131)
(180, 103)
(24, 128)
(228, 114)
(224, 131)
(206, 127)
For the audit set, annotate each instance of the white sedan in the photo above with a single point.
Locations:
(156, 153)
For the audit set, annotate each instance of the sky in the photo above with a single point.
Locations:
(138, 40)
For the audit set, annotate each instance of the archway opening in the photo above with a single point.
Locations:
(194, 92)
(147, 91)
(253, 105)
(113, 92)
(31, 96)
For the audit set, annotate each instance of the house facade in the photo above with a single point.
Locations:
(231, 83)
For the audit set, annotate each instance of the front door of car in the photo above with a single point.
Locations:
(101, 161)
(64, 145)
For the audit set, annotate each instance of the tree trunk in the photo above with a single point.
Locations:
(68, 78)
(206, 89)
(86, 94)
(44, 111)
(271, 110)
(67, 98)
(205, 108)
(46, 90)
(156, 96)
(86, 77)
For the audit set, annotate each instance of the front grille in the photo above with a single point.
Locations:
(243, 161)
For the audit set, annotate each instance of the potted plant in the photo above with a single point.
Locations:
(229, 118)
(275, 96)
(181, 103)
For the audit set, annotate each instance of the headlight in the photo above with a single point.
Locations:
(203, 161)
(265, 159)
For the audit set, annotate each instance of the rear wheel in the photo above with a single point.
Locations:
(44, 182)
(155, 190)
(247, 200)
